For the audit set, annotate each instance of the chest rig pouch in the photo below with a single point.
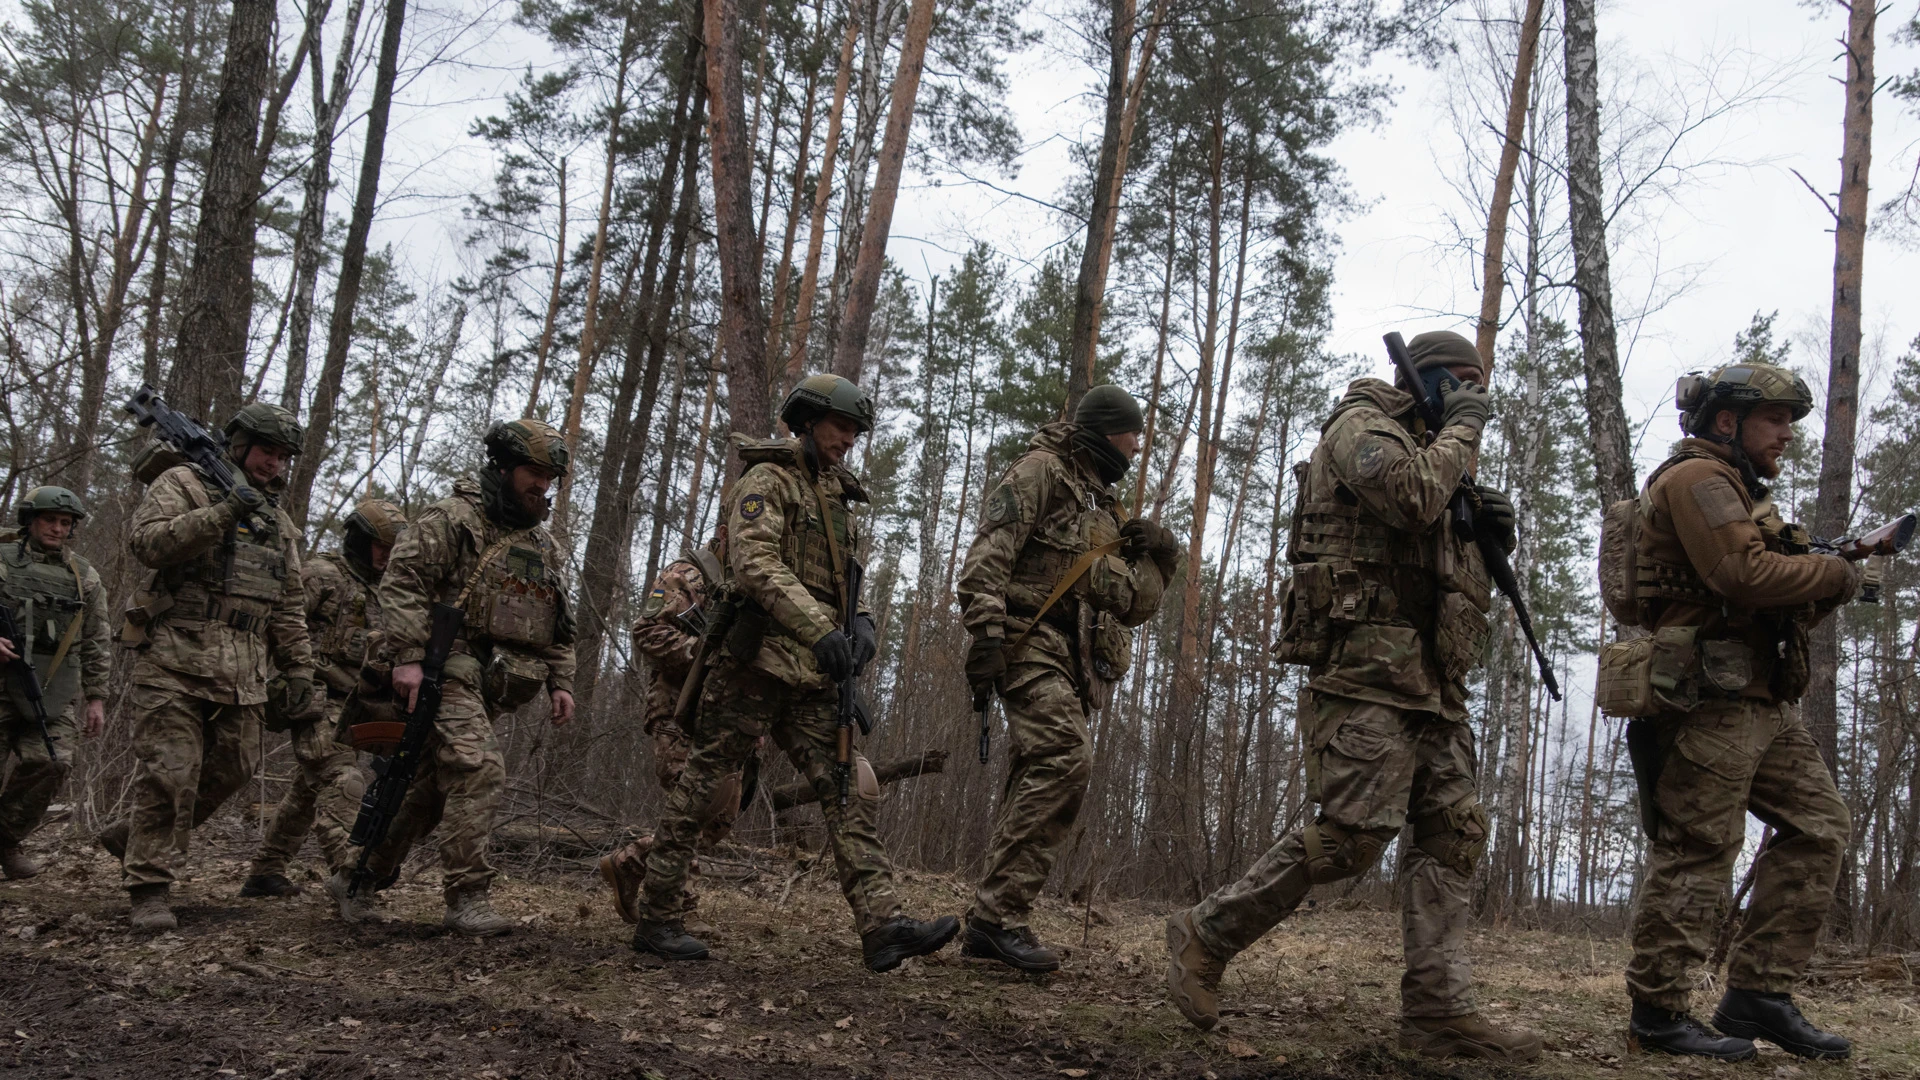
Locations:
(234, 583)
(1461, 630)
(49, 606)
(515, 610)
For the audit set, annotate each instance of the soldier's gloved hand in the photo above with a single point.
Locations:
(1154, 540)
(865, 643)
(244, 500)
(834, 654)
(300, 698)
(1467, 404)
(1496, 514)
(986, 662)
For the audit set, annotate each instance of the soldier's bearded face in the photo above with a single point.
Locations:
(530, 484)
(832, 437)
(1765, 435)
(51, 529)
(266, 463)
(377, 555)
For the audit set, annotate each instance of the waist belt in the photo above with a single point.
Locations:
(220, 609)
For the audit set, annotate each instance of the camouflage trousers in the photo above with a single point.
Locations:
(36, 777)
(456, 790)
(1373, 769)
(672, 749)
(1721, 761)
(190, 756)
(323, 799)
(737, 707)
(1051, 760)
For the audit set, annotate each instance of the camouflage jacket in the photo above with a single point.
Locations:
(343, 615)
(667, 645)
(778, 551)
(1372, 512)
(221, 642)
(55, 588)
(1046, 512)
(438, 559)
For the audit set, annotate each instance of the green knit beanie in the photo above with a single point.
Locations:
(1109, 410)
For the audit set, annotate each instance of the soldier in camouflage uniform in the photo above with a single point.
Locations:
(790, 531)
(1719, 570)
(60, 608)
(223, 601)
(666, 632)
(1052, 530)
(1387, 608)
(342, 612)
(482, 550)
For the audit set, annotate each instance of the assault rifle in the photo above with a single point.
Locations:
(184, 436)
(1461, 511)
(1875, 547)
(851, 712)
(393, 774)
(29, 678)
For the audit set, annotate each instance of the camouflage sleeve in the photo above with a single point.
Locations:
(1006, 521)
(1406, 487)
(321, 583)
(168, 529)
(655, 634)
(96, 641)
(559, 656)
(287, 623)
(755, 525)
(1712, 516)
(425, 555)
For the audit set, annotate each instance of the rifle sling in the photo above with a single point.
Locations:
(1074, 573)
(73, 625)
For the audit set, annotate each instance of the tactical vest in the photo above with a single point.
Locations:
(1057, 541)
(806, 550)
(511, 598)
(46, 599)
(352, 614)
(236, 581)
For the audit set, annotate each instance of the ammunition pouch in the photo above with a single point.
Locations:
(1106, 651)
(1649, 675)
(1460, 635)
(1306, 623)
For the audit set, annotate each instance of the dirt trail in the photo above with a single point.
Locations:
(257, 988)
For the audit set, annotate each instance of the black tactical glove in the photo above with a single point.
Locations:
(300, 697)
(986, 662)
(1496, 516)
(834, 655)
(244, 499)
(865, 645)
(1154, 540)
(1466, 404)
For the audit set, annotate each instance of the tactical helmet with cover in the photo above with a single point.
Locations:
(263, 422)
(526, 442)
(49, 500)
(1742, 387)
(818, 395)
(378, 520)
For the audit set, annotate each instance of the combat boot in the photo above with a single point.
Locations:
(1014, 948)
(150, 910)
(114, 839)
(15, 864)
(626, 871)
(1193, 973)
(470, 913)
(1467, 1036)
(1655, 1030)
(1752, 1014)
(886, 945)
(668, 941)
(353, 909)
(268, 885)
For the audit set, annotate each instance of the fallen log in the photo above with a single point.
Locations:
(799, 793)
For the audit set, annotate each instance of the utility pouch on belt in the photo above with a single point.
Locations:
(511, 679)
(1650, 675)
(1306, 624)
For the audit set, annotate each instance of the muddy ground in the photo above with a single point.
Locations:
(262, 988)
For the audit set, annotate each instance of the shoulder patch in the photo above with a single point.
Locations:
(1371, 458)
(1719, 503)
(752, 506)
(1003, 506)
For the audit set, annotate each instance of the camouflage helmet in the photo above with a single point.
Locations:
(379, 519)
(43, 500)
(1742, 387)
(526, 442)
(818, 395)
(262, 422)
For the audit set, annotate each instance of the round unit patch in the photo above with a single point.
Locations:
(752, 506)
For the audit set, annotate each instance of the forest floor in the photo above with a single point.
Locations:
(261, 988)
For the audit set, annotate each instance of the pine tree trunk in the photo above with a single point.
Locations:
(1493, 266)
(163, 212)
(822, 195)
(1587, 218)
(552, 319)
(743, 319)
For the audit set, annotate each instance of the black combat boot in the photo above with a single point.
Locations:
(885, 946)
(268, 885)
(668, 941)
(1653, 1029)
(1752, 1014)
(1014, 948)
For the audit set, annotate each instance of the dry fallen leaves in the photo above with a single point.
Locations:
(1241, 1049)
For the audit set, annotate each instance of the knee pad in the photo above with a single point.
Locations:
(725, 801)
(1335, 853)
(864, 781)
(1456, 836)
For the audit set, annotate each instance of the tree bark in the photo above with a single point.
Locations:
(169, 172)
(822, 194)
(1833, 502)
(743, 319)
(353, 258)
(217, 296)
(1493, 278)
(851, 351)
(783, 276)
(1587, 218)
